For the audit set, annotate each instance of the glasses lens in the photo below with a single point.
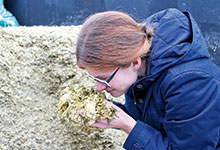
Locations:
(106, 83)
(102, 82)
(99, 80)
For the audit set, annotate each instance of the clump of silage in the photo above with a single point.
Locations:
(84, 106)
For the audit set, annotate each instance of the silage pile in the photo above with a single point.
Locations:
(36, 64)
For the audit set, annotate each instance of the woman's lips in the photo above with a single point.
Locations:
(110, 91)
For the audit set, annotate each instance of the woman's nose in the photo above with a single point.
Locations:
(100, 86)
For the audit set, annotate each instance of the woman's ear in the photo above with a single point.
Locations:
(136, 64)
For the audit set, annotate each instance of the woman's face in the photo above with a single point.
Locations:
(120, 83)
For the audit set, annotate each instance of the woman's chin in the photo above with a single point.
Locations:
(116, 94)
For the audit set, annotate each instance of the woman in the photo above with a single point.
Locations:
(171, 87)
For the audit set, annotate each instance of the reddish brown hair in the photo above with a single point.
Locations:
(110, 39)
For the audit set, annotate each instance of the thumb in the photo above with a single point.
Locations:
(110, 104)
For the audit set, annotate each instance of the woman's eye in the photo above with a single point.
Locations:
(103, 78)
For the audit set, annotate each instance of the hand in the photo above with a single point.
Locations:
(122, 121)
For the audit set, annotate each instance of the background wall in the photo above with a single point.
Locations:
(73, 12)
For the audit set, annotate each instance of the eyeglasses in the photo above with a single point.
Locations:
(105, 82)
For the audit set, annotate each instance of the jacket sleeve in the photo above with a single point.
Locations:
(191, 121)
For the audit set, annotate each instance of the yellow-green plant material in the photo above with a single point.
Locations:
(84, 106)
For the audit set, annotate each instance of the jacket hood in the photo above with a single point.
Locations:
(177, 40)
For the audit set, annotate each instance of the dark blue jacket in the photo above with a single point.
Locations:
(177, 104)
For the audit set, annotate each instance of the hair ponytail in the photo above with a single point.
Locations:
(148, 30)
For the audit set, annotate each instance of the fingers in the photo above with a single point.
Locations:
(101, 124)
(97, 125)
(109, 104)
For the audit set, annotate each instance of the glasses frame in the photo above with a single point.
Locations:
(106, 82)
